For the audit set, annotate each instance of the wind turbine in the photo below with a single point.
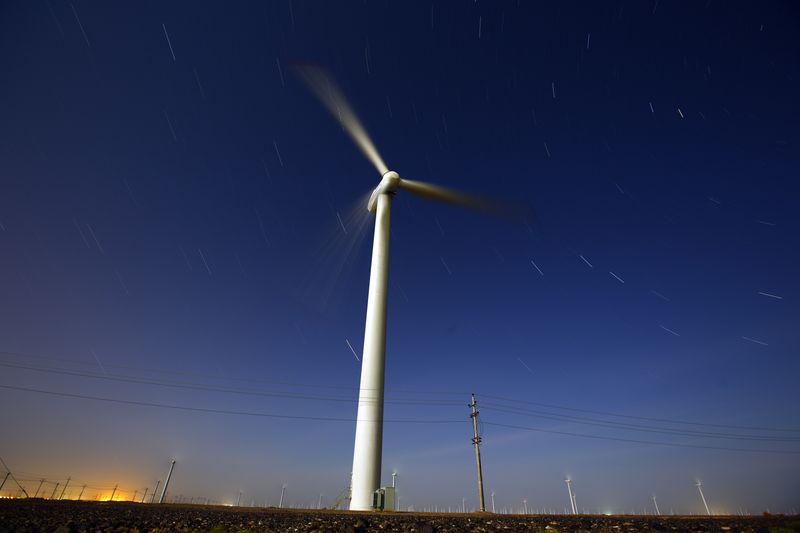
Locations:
(568, 481)
(369, 420)
(699, 486)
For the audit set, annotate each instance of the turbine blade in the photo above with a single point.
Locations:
(323, 86)
(449, 196)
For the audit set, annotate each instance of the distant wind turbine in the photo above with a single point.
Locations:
(699, 486)
(369, 421)
(568, 481)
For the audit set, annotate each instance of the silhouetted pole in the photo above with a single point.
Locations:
(166, 483)
(153, 497)
(64, 489)
(145, 493)
(37, 488)
(134, 495)
(239, 499)
(25, 492)
(4, 480)
(113, 492)
(81, 493)
(54, 491)
(476, 441)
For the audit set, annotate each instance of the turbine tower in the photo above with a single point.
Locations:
(699, 486)
(368, 445)
(568, 481)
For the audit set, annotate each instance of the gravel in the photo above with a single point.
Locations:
(35, 515)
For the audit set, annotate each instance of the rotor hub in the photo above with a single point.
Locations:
(389, 183)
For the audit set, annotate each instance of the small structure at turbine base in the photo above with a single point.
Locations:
(383, 499)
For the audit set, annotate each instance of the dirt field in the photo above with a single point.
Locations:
(70, 516)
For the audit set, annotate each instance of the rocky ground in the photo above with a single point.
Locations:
(71, 516)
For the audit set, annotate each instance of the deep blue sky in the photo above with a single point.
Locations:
(170, 211)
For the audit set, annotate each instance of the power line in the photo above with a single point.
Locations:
(333, 419)
(215, 411)
(217, 377)
(639, 427)
(341, 399)
(637, 441)
(491, 406)
(646, 418)
(195, 386)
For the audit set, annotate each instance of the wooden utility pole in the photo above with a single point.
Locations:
(64, 489)
(476, 441)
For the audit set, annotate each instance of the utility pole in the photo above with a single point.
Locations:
(166, 483)
(153, 497)
(493, 502)
(25, 492)
(64, 489)
(81, 493)
(476, 441)
(111, 499)
(134, 495)
(54, 491)
(4, 480)
(145, 493)
(37, 488)
(239, 499)
(656, 504)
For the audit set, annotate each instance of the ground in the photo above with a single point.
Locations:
(70, 516)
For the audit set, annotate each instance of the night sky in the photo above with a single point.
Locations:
(185, 247)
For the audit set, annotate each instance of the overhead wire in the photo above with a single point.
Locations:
(499, 407)
(644, 418)
(221, 378)
(639, 441)
(335, 419)
(210, 410)
(639, 427)
(416, 400)
(202, 387)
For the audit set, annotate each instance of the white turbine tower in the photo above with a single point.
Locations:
(699, 486)
(369, 421)
(568, 481)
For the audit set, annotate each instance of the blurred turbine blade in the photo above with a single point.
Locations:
(323, 86)
(449, 196)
